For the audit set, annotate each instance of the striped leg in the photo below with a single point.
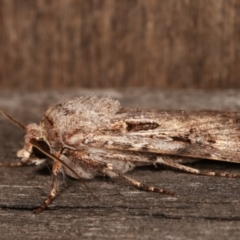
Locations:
(56, 169)
(136, 183)
(13, 164)
(107, 168)
(173, 164)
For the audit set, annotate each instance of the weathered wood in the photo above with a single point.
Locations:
(203, 208)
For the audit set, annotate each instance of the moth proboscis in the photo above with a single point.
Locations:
(89, 136)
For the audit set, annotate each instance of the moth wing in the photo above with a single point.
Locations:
(205, 134)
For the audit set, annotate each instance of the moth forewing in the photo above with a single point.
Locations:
(204, 134)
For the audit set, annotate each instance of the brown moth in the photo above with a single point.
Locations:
(90, 136)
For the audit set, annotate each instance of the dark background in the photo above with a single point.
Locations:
(47, 44)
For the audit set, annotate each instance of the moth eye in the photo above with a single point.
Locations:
(37, 153)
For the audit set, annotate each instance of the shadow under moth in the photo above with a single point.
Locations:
(89, 136)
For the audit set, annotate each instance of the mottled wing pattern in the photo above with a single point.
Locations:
(209, 135)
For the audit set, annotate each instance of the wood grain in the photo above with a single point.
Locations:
(203, 208)
(112, 43)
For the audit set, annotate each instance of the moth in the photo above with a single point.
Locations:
(89, 136)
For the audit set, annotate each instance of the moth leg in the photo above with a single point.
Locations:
(136, 183)
(56, 169)
(19, 163)
(105, 168)
(13, 164)
(184, 168)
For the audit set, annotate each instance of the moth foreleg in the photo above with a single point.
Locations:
(23, 162)
(13, 164)
(56, 169)
(170, 163)
(136, 183)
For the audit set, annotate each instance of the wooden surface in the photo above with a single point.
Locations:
(203, 208)
(119, 43)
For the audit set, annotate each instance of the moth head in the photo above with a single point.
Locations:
(36, 148)
(30, 153)
(34, 133)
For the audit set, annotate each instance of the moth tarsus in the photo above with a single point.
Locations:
(89, 136)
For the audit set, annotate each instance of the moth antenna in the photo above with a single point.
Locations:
(13, 120)
(48, 154)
